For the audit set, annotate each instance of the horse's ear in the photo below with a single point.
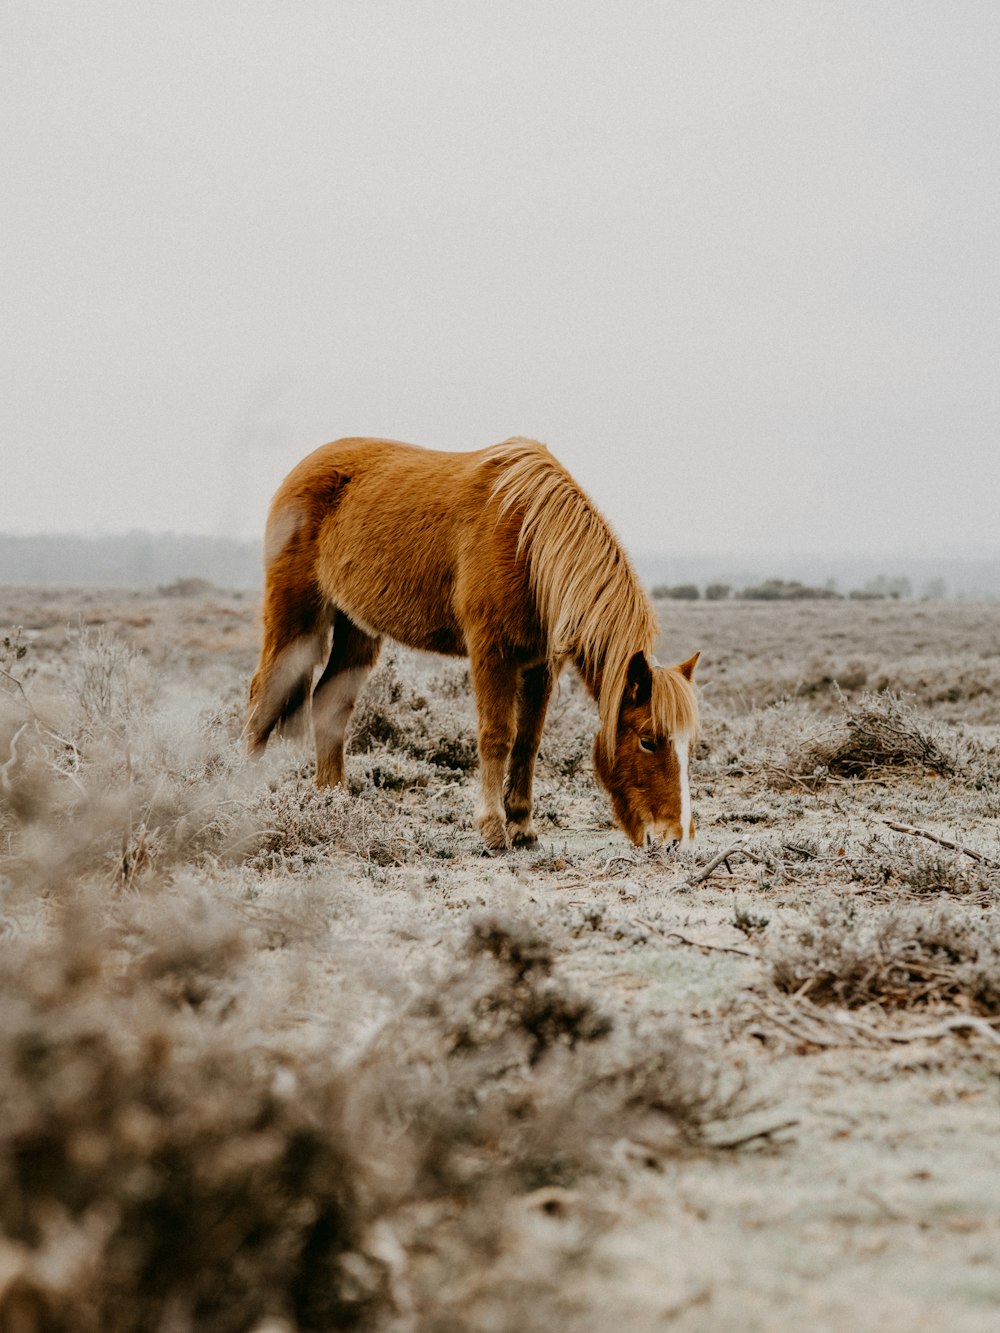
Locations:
(687, 668)
(638, 682)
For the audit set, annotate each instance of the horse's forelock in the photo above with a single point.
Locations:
(674, 704)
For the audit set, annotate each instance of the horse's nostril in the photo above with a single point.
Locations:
(649, 838)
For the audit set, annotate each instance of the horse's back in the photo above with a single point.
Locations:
(406, 540)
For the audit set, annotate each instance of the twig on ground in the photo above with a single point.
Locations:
(699, 944)
(756, 856)
(12, 758)
(613, 860)
(714, 864)
(723, 859)
(766, 1133)
(942, 842)
(790, 777)
(695, 944)
(946, 1028)
(807, 1023)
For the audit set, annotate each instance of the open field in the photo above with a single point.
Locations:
(278, 1059)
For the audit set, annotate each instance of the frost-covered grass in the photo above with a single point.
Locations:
(279, 1058)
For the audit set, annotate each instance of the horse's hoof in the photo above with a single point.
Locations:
(493, 832)
(522, 835)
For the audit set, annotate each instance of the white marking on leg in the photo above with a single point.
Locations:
(299, 659)
(682, 747)
(333, 705)
(295, 662)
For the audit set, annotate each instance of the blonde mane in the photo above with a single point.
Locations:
(589, 599)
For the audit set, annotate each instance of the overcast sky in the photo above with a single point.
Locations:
(737, 263)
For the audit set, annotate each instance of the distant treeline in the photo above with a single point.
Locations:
(133, 559)
(157, 559)
(880, 588)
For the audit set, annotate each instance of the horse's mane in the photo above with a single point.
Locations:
(589, 599)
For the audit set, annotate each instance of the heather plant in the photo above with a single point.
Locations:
(278, 1059)
(392, 713)
(894, 958)
(164, 1160)
(106, 675)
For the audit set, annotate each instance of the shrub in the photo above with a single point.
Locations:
(391, 713)
(895, 959)
(879, 731)
(166, 1163)
(778, 590)
(678, 592)
(108, 678)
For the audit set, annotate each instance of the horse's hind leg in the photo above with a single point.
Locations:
(352, 656)
(535, 687)
(296, 624)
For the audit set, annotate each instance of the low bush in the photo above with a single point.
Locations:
(879, 731)
(167, 1163)
(391, 713)
(678, 592)
(895, 959)
(784, 590)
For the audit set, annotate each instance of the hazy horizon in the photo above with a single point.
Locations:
(639, 552)
(737, 265)
(143, 559)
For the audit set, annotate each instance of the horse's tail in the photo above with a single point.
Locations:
(296, 615)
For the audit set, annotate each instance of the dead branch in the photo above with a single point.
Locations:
(714, 864)
(942, 842)
(806, 1023)
(683, 939)
(766, 1133)
(709, 948)
(12, 758)
(804, 783)
(960, 1023)
(614, 860)
(723, 859)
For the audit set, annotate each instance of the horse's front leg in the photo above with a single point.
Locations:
(532, 701)
(495, 682)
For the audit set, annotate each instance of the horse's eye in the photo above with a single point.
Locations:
(648, 744)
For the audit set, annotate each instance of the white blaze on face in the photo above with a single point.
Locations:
(682, 747)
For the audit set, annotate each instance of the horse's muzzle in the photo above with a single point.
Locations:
(670, 844)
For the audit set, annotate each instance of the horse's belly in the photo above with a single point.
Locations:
(413, 630)
(399, 602)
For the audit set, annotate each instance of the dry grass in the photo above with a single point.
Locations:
(880, 731)
(894, 959)
(167, 1160)
(164, 1162)
(275, 1058)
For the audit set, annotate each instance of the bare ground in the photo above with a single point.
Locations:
(837, 978)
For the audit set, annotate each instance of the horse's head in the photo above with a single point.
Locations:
(647, 775)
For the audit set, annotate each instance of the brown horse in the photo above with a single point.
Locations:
(496, 555)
